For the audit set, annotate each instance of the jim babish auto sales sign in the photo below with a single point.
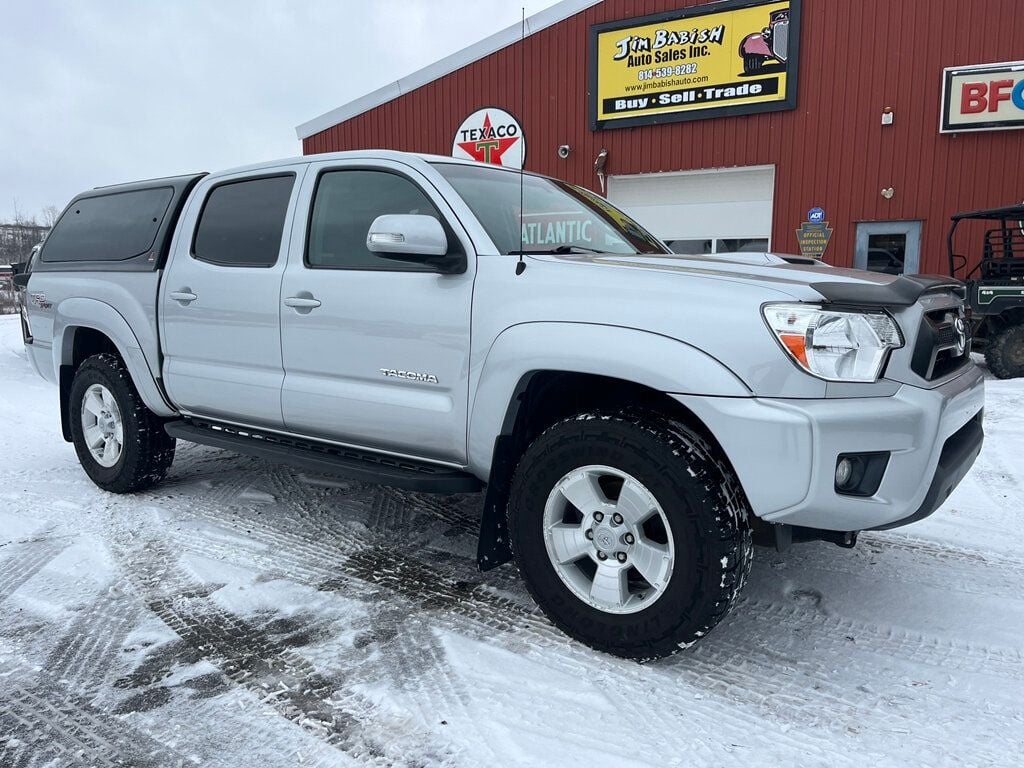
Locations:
(729, 58)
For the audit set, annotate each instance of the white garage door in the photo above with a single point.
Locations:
(719, 211)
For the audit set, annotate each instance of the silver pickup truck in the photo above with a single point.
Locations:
(637, 418)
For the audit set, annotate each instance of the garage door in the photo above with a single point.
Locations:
(718, 211)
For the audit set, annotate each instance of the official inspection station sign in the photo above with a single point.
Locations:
(736, 57)
(986, 97)
(814, 234)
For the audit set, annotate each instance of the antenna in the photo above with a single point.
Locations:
(521, 265)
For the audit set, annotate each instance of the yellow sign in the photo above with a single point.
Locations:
(729, 58)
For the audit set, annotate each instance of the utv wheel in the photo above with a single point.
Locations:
(1005, 353)
(121, 445)
(629, 532)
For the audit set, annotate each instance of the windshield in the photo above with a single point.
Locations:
(558, 217)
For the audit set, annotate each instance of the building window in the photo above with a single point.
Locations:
(707, 247)
(690, 247)
(742, 245)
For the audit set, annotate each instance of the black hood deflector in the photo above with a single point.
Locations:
(901, 292)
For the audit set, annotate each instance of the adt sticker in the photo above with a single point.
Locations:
(816, 215)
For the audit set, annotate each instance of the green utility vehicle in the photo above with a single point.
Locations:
(995, 287)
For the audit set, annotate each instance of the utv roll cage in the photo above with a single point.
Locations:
(1002, 254)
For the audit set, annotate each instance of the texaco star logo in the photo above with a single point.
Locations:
(491, 136)
(489, 147)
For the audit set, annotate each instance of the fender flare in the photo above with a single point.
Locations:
(659, 362)
(80, 312)
(640, 357)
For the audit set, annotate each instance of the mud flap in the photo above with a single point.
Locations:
(493, 548)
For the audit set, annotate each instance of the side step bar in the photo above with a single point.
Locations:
(350, 463)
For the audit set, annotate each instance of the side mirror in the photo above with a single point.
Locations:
(20, 279)
(407, 235)
(415, 238)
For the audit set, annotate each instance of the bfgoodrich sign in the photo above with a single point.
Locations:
(730, 58)
(987, 97)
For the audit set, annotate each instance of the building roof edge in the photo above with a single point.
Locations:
(496, 42)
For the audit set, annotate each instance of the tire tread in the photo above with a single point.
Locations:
(148, 449)
(726, 534)
(997, 353)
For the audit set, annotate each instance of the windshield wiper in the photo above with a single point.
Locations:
(560, 249)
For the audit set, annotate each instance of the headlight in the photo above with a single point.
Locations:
(834, 345)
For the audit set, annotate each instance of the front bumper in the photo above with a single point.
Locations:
(785, 451)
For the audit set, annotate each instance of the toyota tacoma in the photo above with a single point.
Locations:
(637, 418)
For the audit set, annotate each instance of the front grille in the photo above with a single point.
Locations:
(946, 336)
(943, 344)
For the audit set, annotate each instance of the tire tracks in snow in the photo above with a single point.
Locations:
(900, 560)
(88, 649)
(348, 557)
(379, 561)
(920, 647)
(1010, 566)
(27, 560)
(43, 722)
(276, 674)
(456, 596)
(743, 675)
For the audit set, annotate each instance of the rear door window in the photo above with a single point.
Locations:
(242, 222)
(113, 227)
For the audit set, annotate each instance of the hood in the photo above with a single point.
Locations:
(804, 279)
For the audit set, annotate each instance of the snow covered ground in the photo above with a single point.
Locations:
(243, 614)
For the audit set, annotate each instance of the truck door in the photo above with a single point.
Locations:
(219, 306)
(376, 351)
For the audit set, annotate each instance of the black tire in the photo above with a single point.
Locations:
(1004, 353)
(699, 494)
(752, 63)
(148, 450)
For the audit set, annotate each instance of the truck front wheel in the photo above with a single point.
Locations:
(1004, 353)
(630, 533)
(120, 443)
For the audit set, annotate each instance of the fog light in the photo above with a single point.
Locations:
(860, 474)
(844, 471)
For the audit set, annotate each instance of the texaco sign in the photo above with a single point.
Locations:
(491, 136)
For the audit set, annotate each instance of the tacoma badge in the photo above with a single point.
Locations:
(426, 378)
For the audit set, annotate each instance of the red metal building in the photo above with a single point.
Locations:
(863, 142)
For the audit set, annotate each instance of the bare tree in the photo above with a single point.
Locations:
(50, 214)
(19, 235)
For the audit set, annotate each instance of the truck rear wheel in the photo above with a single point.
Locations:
(1004, 353)
(629, 532)
(120, 443)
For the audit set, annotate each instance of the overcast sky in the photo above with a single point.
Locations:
(108, 91)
